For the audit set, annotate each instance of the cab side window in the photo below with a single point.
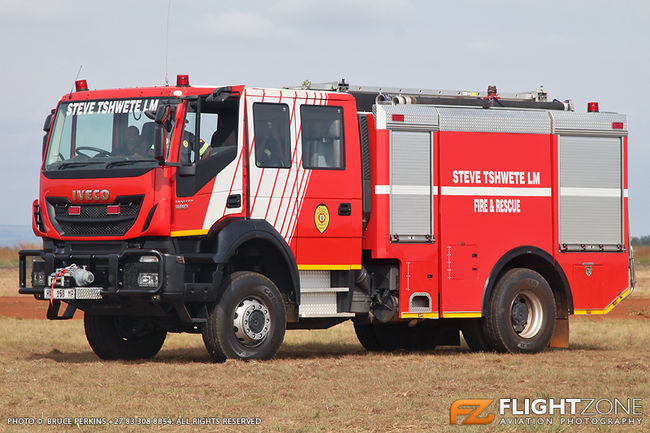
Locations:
(322, 137)
(272, 138)
(217, 130)
(209, 141)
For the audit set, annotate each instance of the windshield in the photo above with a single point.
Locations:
(103, 133)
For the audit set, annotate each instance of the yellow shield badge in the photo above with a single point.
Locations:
(322, 217)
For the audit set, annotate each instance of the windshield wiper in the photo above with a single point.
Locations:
(77, 164)
(127, 161)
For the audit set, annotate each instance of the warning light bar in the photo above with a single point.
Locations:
(182, 80)
(81, 85)
(592, 107)
(113, 209)
(74, 210)
(398, 117)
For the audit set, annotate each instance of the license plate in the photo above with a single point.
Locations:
(57, 293)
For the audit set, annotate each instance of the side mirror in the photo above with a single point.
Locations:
(163, 115)
(48, 122)
(46, 129)
(159, 142)
(220, 94)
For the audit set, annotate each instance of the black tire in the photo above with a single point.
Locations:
(421, 337)
(366, 334)
(386, 337)
(248, 322)
(521, 316)
(122, 337)
(474, 335)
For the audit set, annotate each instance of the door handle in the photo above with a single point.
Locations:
(233, 201)
(345, 209)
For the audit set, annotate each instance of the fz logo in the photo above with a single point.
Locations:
(473, 409)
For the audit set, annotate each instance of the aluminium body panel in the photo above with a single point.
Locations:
(411, 185)
(591, 190)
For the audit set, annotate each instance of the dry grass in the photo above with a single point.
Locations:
(642, 289)
(320, 381)
(9, 255)
(642, 254)
(9, 281)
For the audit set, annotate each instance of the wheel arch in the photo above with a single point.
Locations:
(240, 242)
(538, 260)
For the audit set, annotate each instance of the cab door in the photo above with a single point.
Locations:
(209, 182)
(329, 209)
(272, 173)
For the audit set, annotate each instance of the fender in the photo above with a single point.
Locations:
(513, 254)
(231, 236)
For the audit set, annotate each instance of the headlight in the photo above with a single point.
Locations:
(146, 279)
(38, 279)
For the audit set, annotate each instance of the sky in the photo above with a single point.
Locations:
(584, 50)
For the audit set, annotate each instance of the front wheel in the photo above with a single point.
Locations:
(521, 316)
(248, 322)
(121, 337)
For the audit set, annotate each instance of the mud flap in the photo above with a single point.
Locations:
(53, 311)
(560, 336)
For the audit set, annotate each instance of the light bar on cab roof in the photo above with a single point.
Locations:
(182, 80)
(81, 85)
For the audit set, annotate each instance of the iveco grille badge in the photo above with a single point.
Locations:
(90, 194)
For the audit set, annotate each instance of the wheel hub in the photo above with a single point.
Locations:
(251, 321)
(519, 315)
(527, 314)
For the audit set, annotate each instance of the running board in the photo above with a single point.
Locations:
(317, 298)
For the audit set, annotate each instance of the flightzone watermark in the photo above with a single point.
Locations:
(548, 411)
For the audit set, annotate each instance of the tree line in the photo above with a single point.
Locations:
(640, 240)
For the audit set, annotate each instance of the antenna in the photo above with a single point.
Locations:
(169, 6)
(75, 79)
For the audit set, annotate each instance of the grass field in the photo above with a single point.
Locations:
(320, 381)
(642, 255)
(9, 255)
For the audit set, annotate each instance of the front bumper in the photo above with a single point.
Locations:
(115, 273)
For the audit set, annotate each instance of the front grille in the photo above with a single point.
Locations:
(93, 219)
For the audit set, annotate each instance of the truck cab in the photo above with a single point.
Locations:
(154, 200)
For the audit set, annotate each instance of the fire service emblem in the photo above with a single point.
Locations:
(322, 217)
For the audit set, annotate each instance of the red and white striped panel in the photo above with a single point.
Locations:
(277, 194)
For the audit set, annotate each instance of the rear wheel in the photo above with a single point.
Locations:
(475, 335)
(521, 317)
(248, 322)
(376, 337)
(122, 337)
(366, 334)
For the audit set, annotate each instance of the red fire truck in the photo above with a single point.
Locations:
(239, 212)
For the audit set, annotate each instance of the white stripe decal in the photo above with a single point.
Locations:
(405, 190)
(382, 189)
(411, 189)
(495, 191)
(500, 191)
(590, 192)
